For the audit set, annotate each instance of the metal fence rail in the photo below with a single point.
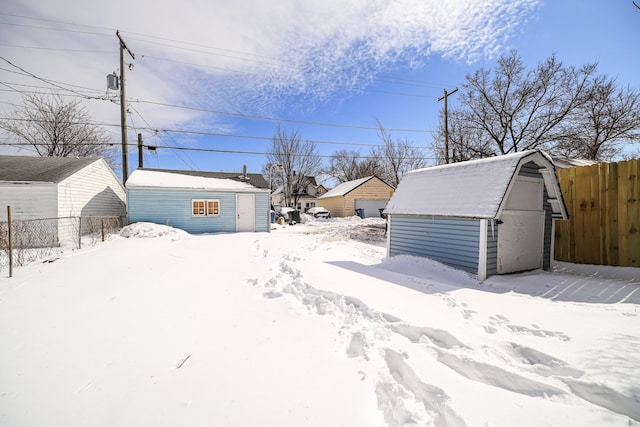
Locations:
(26, 241)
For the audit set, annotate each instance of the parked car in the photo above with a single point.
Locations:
(319, 212)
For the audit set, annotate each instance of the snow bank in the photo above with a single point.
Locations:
(150, 230)
(308, 325)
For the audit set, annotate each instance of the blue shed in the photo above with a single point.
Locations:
(199, 202)
(488, 216)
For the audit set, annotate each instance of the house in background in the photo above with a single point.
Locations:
(307, 195)
(59, 187)
(369, 194)
(199, 202)
(488, 216)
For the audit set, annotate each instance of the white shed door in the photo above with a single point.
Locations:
(521, 235)
(371, 207)
(520, 241)
(246, 213)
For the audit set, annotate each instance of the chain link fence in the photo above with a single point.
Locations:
(39, 239)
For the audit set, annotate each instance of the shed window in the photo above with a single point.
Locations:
(205, 207)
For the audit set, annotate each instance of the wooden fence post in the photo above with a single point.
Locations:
(79, 232)
(10, 241)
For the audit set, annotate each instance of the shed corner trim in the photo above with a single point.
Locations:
(482, 250)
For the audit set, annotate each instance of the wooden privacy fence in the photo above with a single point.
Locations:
(603, 202)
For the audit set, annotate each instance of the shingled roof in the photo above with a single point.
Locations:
(40, 169)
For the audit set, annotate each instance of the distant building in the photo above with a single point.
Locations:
(199, 202)
(369, 194)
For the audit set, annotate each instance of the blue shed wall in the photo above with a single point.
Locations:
(452, 241)
(263, 209)
(173, 207)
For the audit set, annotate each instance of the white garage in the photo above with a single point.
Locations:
(371, 207)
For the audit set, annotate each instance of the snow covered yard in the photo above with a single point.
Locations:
(310, 325)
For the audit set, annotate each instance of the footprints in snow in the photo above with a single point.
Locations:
(498, 320)
(403, 397)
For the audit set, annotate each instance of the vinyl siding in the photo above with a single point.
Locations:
(28, 201)
(92, 191)
(335, 205)
(262, 209)
(454, 242)
(342, 206)
(173, 207)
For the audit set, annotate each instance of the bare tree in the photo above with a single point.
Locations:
(398, 156)
(55, 127)
(346, 165)
(519, 109)
(466, 142)
(568, 111)
(298, 159)
(610, 116)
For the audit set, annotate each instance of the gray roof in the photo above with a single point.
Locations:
(255, 179)
(41, 169)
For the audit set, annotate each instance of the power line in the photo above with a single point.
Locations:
(64, 30)
(51, 82)
(215, 150)
(55, 21)
(248, 116)
(56, 49)
(206, 133)
(275, 119)
(391, 79)
(189, 164)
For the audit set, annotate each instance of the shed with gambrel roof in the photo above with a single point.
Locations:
(488, 216)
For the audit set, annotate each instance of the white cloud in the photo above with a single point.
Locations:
(251, 54)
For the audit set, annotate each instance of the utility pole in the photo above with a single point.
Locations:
(446, 123)
(123, 108)
(140, 156)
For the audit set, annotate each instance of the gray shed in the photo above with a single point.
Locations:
(488, 216)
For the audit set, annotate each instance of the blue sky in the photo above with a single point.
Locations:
(327, 68)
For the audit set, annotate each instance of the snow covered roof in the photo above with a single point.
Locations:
(194, 180)
(41, 169)
(563, 162)
(473, 189)
(346, 187)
